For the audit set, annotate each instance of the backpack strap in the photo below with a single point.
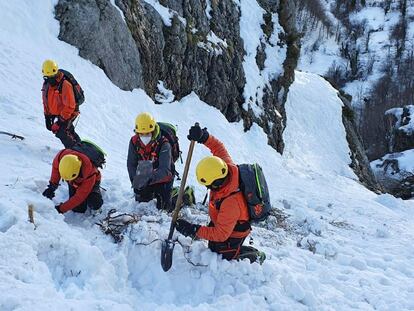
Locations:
(241, 226)
(60, 85)
(140, 149)
(218, 202)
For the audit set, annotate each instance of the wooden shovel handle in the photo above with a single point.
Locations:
(181, 191)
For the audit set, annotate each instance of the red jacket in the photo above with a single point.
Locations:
(233, 208)
(83, 184)
(59, 104)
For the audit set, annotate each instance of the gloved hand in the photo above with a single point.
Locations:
(186, 228)
(49, 122)
(55, 127)
(58, 124)
(57, 208)
(198, 134)
(50, 191)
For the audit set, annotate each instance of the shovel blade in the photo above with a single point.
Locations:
(167, 248)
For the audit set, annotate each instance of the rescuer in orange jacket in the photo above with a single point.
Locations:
(82, 177)
(59, 104)
(228, 209)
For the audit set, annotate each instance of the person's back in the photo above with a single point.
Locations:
(83, 180)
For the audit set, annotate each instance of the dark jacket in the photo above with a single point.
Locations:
(158, 151)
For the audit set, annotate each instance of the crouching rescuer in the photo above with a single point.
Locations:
(151, 161)
(83, 179)
(228, 209)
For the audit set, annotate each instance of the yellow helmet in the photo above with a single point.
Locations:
(49, 68)
(69, 167)
(144, 123)
(210, 169)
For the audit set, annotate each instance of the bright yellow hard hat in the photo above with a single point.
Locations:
(144, 123)
(69, 167)
(49, 68)
(210, 169)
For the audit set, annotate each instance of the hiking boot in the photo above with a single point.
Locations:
(251, 253)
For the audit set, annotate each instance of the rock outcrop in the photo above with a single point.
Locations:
(192, 45)
(96, 28)
(360, 163)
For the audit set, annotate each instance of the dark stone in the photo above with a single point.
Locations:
(96, 28)
(359, 160)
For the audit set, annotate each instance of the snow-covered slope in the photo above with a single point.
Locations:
(344, 247)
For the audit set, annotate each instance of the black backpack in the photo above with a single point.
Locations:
(77, 90)
(253, 185)
(169, 131)
(92, 151)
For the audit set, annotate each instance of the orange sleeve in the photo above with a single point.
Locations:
(68, 101)
(218, 149)
(226, 221)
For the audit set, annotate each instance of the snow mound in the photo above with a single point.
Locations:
(342, 247)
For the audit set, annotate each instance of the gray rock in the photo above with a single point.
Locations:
(181, 55)
(359, 160)
(393, 178)
(400, 129)
(96, 28)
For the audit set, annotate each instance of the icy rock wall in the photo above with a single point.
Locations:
(194, 45)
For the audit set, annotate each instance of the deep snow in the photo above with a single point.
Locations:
(361, 244)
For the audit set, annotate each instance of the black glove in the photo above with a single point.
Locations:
(48, 122)
(198, 134)
(61, 121)
(57, 208)
(186, 228)
(50, 191)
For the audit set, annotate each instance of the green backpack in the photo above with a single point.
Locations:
(169, 131)
(92, 151)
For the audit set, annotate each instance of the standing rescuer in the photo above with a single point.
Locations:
(228, 211)
(59, 104)
(82, 177)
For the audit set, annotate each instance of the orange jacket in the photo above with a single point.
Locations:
(83, 184)
(233, 208)
(59, 104)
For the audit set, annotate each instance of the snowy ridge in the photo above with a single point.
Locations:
(355, 248)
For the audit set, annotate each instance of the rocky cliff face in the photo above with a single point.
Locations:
(98, 31)
(193, 45)
(395, 170)
(360, 163)
(238, 56)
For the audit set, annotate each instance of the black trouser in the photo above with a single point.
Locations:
(230, 249)
(162, 192)
(67, 134)
(94, 199)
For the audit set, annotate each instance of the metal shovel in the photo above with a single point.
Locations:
(167, 246)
